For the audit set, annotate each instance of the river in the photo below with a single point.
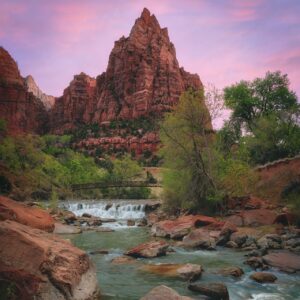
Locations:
(129, 282)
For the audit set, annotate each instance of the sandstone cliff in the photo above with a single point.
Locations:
(22, 111)
(33, 88)
(142, 78)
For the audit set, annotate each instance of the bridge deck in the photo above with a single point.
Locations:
(97, 185)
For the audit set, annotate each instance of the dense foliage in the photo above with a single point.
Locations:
(41, 167)
(265, 117)
(197, 174)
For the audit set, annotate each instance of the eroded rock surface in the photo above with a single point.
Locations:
(43, 266)
(31, 216)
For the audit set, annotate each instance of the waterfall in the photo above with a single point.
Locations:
(118, 210)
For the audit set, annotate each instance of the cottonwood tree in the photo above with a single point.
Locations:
(187, 136)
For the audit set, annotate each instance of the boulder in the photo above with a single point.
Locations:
(66, 229)
(47, 266)
(216, 291)
(201, 238)
(176, 229)
(27, 215)
(123, 260)
(232, 271)
(283, 260)
(163, 292)
(263, 277)
(189, 272)
(149, 250)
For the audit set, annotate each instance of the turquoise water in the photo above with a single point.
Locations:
(128, 282)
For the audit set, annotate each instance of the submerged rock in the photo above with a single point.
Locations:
(43, 266)
(163, 292)
(189, 272)
(123, 260)
(215, 291)
(263, 277)
(149, 250)
(27, 215)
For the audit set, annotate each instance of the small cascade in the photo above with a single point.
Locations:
(118, 210)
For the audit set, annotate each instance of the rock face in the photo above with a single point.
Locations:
(22, 111)
(31, 216)
(43, 266)
(163, 292)
(33, 88)
(143, 78)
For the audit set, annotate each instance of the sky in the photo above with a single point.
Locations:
(224, 41)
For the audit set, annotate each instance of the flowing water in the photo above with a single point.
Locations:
(129, 282)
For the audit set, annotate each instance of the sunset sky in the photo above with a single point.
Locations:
(223, 41)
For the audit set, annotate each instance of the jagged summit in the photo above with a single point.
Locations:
(143, 78)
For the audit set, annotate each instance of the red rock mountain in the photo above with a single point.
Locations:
(142, 78)
(22, 111)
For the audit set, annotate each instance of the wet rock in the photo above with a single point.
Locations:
(231, 244)
(31, 216)
(239, 238)
(250, 243)
(263, 277)
(66, 229)
(292, 243)
(255, 263)
(232, 271)
(86, 215)
(270, 241)
(180, 227)
(107, 220)
(149, 250)
(201, 239)
(123, 260)
(108, 206)
(130, 222)
(283, 260)
(163, 292)
(97, 229)
(216, 291)
(189, 272)
(142, 222)
(99, 251)
(257, 252)
(54, 267)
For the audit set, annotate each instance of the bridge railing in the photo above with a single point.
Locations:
(97, 185)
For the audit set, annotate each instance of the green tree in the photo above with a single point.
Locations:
(186, 136)
(265, 118)
(261, 97)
